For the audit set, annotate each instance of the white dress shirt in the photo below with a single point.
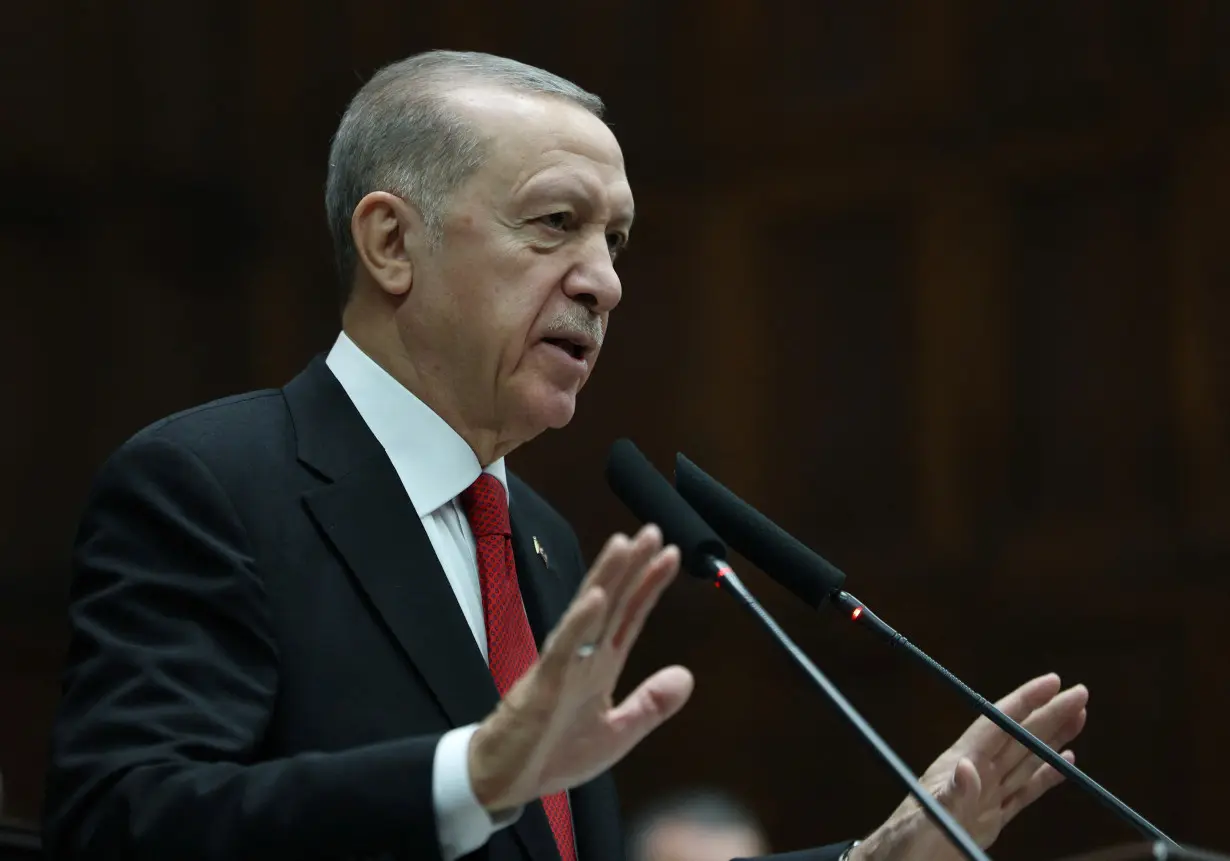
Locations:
(435, 465)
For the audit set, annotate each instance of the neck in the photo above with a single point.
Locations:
(380, 339)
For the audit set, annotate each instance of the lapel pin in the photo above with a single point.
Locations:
(540, 550)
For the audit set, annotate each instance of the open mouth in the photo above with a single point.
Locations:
(572, 348)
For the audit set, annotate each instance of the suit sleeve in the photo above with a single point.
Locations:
(170, 683)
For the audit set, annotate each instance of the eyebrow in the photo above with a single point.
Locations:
(572, 187)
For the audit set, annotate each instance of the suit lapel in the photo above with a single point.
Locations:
(416, 602)
(370, 520)
(366, 515)
(544, 593)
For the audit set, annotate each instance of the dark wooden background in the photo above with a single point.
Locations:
(942, 285)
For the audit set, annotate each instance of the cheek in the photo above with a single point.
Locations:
(531, 297)
(493, 321)
(502, 297)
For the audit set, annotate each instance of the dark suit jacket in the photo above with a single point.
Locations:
(265, 649)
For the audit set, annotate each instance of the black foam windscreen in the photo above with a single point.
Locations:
(765, 544)
(649, 496)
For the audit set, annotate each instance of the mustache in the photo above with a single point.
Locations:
(578, 319)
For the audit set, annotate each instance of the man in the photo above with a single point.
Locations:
(695, 825)
(325, 621)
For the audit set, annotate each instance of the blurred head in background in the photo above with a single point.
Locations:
(696, 825)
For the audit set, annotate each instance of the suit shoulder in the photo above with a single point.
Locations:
(232, 429)
(242, 415)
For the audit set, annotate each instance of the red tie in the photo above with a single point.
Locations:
(510, 642)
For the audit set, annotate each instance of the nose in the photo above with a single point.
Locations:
(592, 281)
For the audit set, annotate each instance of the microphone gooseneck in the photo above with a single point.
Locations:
(649, 496)
(814, 580)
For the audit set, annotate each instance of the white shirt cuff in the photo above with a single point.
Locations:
(461, 822)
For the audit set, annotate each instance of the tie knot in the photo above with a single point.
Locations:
(486, 506)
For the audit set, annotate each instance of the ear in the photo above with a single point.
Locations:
(382, 225)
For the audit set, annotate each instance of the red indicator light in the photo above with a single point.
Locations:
(858, 611)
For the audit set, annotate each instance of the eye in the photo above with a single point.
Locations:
(616, 242)
(558, 220)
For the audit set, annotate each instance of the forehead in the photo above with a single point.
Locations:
(535, 140)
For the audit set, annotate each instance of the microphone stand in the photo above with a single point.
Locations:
(860, 614)
(813, 580)
(726, 580)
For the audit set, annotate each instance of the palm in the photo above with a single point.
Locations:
(585, 750)
(558, 726)
(983, 814)
(593, 733)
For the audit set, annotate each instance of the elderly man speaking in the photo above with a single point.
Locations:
(315, 622)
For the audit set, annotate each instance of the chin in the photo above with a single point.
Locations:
(551, 408)
(559, 413)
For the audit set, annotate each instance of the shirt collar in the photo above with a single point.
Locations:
(434, 463)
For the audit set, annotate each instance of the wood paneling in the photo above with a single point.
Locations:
(1200, 274)
(960, 395)
(838, 311)
(1090, 336)
(1060, 64)
(944, 287)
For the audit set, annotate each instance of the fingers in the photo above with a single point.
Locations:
(658, 575)
(608, 567)
(643, 552)
(1050, 723)
(983, 741)
(1042, 780)
(632, 572)
(655, 700)
(581, 624)
(622, 586)
(1027, 764)
(616, 570)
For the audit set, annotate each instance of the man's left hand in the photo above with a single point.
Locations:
(986, 778)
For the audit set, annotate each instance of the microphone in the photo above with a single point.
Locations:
(814, 580)
(649, 496)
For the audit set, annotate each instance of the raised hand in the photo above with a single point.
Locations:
(986, 778)
(558, 727)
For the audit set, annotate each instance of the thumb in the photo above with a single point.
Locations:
(961, 791)
(656, 700)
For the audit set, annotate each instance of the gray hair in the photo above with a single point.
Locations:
(400, 134)
(706, 807)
